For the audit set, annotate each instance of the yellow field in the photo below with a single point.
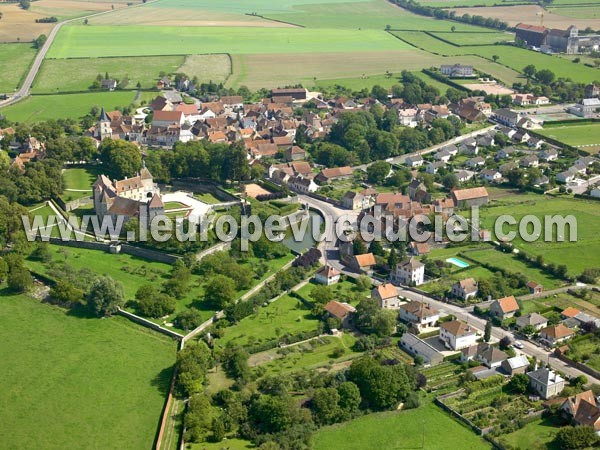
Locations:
(207, 67)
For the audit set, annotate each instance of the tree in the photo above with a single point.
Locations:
(198, 418)
(519, 383)
(377, 172)
(495, 58)
(220, 291)
(153, 303)
(105, 296)
(545, 76)
(363, 283)
(529, 71)
(321, 294)
(3, 270)
(504, 343)
(19, 279)
(188, 319)
(450, 181)
(383, 323)
(193, 362)
(123, 158)
(487, 333)
(528, 330)
(453, 28)
(325, 406)
(349, 400)
(65, 294)
(576, 437)
(40, 41)
(579, 381)
(235, 363)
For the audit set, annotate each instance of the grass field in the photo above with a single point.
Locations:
(585, 252)
(475, 38)
(575, 135)
(215, 68)
(18, 57)
(43, 107)
(81, 177)
(400, 430)
(286, 315)
(99, 41)
(71, 381)
(537, 435)
(83, 72)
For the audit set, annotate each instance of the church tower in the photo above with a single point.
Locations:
(103, 131)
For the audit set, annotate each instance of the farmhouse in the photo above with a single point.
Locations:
(294, 153)
(457, 335)
(582, 409)
(465, 289)
(327, 275)
(342, 311)
(504, 308)
(420, 315)
(418, 347)
(546, 383)
(387, 296)
(337, 173)
(470, 197)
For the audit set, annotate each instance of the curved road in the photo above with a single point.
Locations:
(39, 58)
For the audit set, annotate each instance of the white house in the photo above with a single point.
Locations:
(546, 383)
(550, 154)
(433, 167)
(419, 314)
(327, 275)
(410, 271)
(414, 161)
(302, 185)
(457, 335)
(465, 289)
(490, 175)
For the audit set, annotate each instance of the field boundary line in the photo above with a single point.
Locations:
(275, 20)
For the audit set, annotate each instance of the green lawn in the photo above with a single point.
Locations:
(81, 177)
(77, 382)
(286, 315)
(400, 430)
(44, 107)
(17, 57)
(475, 38)
(537, 435)
(208, 198)
(81, 41)
(585, 252)
(83, 72)
(574, 134)
(511, 263)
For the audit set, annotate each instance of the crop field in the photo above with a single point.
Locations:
(585, 252)
(588, 12)
(68, 380)
(18, 57)
(207, 68)
(83, 72)
(536, 435)
(99, 41)
(475, 38)
(389, 430)
(574, 134)
(59, 106)
(428, 43)
(530, 14)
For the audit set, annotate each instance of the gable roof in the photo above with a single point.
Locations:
(570, 312)
(557, 331)
(508, 304)
(517, 362)
(469, 194)
(365, 260)
(531, 319)
(387, 290)
(457, 328)
(339, 310)
(328, 272)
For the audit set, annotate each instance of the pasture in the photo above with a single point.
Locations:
(83, 72)
(18, 57)
(101, 41)
(73, 381)
(207, 68)
(585, 252)
(489, 38)
(574, 134)
(400, 429)
(43, 107)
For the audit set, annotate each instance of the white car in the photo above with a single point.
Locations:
(518, 345)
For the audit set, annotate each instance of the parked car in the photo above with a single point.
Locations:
(518, 345)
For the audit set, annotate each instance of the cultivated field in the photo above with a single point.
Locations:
(400, 430)
(69, 381)
(43, 107)
(476, 38)
(587, 12)
(576, 135)
(18, 57)
(530, 14)
(215, 68)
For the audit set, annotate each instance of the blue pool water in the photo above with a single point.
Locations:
(457, 262)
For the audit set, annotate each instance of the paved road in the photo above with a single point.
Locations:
(541, 354)
(25, 88)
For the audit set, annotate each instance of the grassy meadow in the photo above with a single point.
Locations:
(18, 57)
(73, 382)
(405, 429)
(59, 106)
(574, 134)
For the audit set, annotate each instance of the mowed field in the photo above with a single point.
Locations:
(83, 72)
(531, 14)
(78, 382)
(43, 107)
(400, 430)
(575, 135)
(18, 57)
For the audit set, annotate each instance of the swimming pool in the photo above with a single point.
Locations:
(457, 262)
